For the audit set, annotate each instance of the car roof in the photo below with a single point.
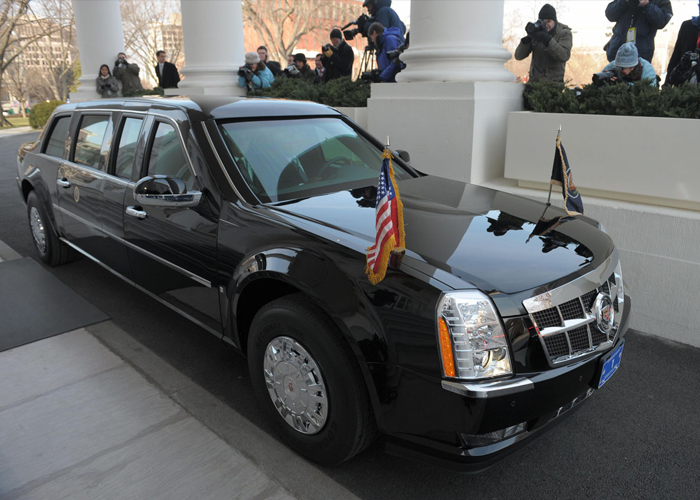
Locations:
(201, 108)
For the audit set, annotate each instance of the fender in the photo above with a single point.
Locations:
(32, 180)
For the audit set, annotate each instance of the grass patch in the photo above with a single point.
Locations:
(18, 121)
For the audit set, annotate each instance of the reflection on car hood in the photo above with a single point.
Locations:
(488, 238)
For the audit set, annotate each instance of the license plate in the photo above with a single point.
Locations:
(611, 365)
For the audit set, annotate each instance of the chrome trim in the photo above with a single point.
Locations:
(485, 390)
(569, 324)
(574, 289)
(62, 183)
(108, 110)
(184, 200)
(139, 214)
(221, 163)
(136, 285)
(177, 268)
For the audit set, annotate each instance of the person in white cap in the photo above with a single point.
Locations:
(632, 67)
(254, 73)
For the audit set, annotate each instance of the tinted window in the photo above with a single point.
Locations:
(167, 156)
(286, 159)
(57, 140)
(89, 142)
(127, 147)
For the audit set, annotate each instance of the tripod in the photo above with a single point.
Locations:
(368, 62)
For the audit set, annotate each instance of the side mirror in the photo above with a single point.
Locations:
(404, 156)
(164, 191)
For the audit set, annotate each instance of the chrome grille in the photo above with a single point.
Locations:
(565, 320)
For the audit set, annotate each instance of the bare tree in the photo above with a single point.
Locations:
(142, 21)
(13, 38)
(280, 24)
(16, 84)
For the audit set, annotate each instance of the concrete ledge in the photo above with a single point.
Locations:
(639, 159)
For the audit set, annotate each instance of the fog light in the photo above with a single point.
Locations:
(493, 437)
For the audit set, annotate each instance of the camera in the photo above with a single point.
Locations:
(371, 76)
(633, 3)
(292, 71)
(606, 77)
(538, 25)
(362, 25)
(246, 72)
(103, 87)
(393, 54)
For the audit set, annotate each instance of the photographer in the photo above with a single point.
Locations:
(337, 57)
(386, 40)
(380, 11)
(273, 66)
(128, 75)
(627, 68)
(550, 43)
(254, 74)
(300, 69)
(637, 21)
(106, 84)
(688, 42)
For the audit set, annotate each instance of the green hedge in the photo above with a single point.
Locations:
(41, 112)
(139, 93)
(339, 92)
(636, 100)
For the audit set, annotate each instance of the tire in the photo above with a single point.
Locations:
(48, 246)
(297, 348)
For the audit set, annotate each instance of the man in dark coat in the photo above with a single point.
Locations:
(128, 75)
(337, 57)
(168, 76)
(688, 41)
(637, 21)
(380, 11)
(550, 46)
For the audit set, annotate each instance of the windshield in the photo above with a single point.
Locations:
(286, 159)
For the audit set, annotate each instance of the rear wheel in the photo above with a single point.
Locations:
(308, 381)
(49, 247)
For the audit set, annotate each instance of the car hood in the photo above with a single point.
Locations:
(487, 238)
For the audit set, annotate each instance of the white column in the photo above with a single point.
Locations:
(213, 39)
(450, 106)
(456, 41)
(100, 38)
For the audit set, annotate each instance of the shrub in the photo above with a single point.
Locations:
(339, 92)
(636, 100)
(41, 112)
(138, 93)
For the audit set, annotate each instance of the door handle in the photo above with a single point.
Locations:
(63, 183)
(139, 214)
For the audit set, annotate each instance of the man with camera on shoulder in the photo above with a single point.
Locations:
(254, 74)
(300, 69)
(549, 42)
(337, 57)
(627, 68)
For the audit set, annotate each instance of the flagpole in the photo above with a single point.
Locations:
(549, 198)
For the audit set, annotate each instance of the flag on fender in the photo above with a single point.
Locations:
(561, 176)
(389, 230)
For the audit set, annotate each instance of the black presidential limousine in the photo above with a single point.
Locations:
(252, 217)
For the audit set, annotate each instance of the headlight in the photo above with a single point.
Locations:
(473, 343)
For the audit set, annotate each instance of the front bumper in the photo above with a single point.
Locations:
(535, 402)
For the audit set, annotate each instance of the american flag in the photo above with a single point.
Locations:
(389, 223)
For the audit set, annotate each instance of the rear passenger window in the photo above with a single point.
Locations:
(57, 138)
(167, 156)
(89, 142)
(127, 147)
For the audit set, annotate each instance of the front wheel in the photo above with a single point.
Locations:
(308, 381)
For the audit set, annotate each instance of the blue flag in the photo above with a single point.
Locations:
(561, 176)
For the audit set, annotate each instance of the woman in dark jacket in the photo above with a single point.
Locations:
(638, 19)
(105, 84)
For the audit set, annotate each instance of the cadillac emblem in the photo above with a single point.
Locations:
(76, 194)
(604, 312)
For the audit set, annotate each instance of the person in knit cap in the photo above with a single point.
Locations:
(549, 42)
(636, 21)
(337, 57)
(633, 68)
(254, 74)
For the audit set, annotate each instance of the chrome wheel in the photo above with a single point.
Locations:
(38, 230)
(295, 385)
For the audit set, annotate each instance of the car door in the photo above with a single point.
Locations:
(79, 182)
(172, 249)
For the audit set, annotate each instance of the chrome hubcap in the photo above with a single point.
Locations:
(37, 229)
(295, 385)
